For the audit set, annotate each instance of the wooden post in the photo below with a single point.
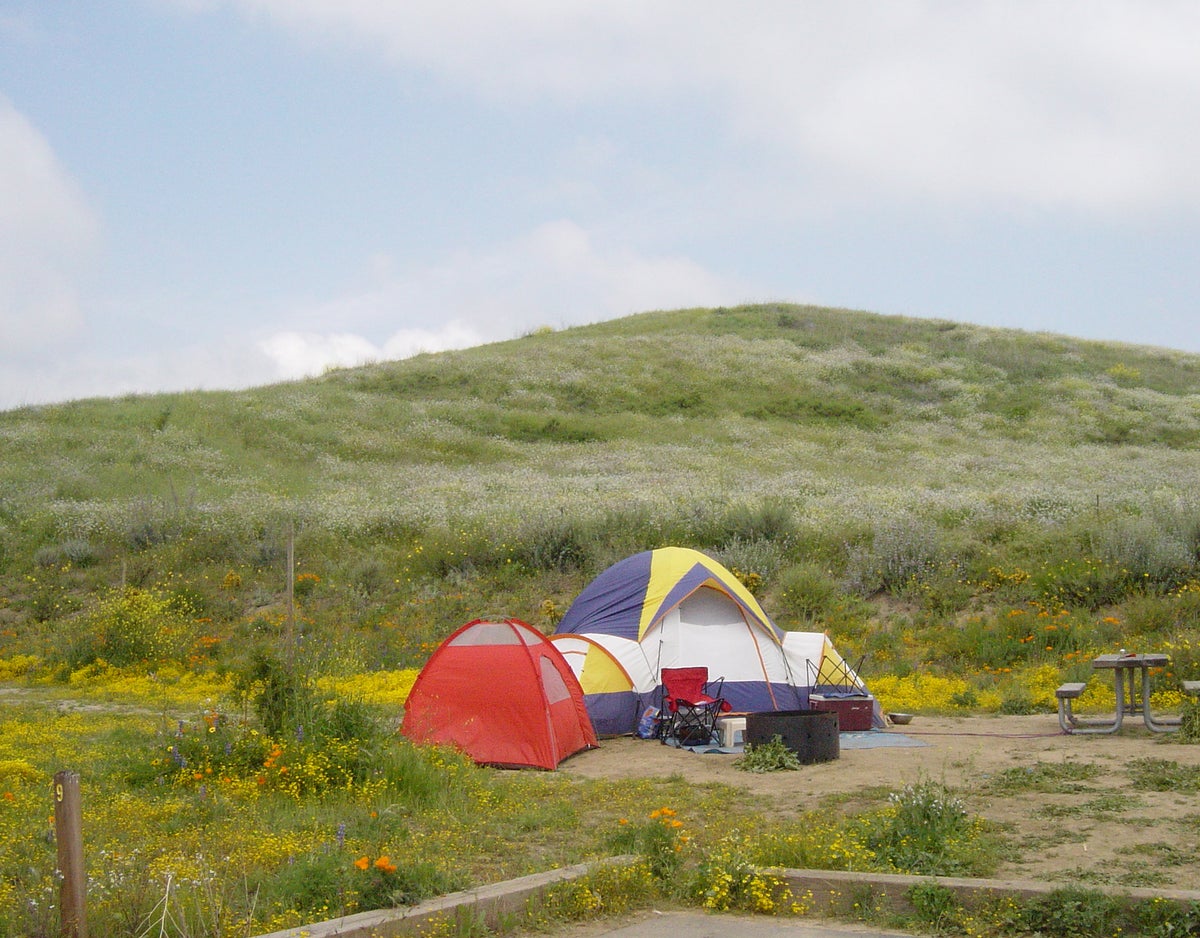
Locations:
(291, 595)
(68, 829)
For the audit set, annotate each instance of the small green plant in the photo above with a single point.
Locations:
(660, 840)
(1070, 913)
(1163, 918)
(1052, 777)
(727, 879)
(768, 757)
(935, 906)
(1189, 723)
(1164, 775)
(1018, 702)
(608, 889)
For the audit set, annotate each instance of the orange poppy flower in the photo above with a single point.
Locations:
(385, 863)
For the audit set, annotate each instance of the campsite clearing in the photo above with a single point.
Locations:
(1077, 810)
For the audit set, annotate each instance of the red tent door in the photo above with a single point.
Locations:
(566, 730)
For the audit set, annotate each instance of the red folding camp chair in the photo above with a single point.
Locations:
(690, 708)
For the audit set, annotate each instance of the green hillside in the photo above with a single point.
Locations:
(205, 599)
(867, 474)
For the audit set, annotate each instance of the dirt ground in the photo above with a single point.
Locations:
(1101, 831)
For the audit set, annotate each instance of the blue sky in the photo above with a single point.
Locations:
(224, 193)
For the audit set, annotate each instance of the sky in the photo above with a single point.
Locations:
(203, 194)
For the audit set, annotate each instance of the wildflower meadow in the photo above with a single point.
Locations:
(213, 605)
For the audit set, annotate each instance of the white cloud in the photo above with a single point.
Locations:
(409, 342)
(555, 275)
(80, 371)
(306, 354)
(1049, 106)
(1043, 106)
(297, 354)
(47, 234)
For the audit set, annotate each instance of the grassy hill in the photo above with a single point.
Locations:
(879, 476)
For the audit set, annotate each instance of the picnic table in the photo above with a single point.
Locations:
(1132, 693)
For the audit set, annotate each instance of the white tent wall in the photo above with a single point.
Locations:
(804, 651)
(709, 628)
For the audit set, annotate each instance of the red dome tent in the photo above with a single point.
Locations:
(502, 693)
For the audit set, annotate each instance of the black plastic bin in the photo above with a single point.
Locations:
(811, 734)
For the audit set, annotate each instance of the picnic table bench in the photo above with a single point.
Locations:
(1073, 724)
(1133, 695)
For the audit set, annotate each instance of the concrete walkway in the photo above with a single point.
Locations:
(701, 925)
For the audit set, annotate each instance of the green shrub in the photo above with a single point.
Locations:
(131, 626)
(927, 830)
(901, 553)
(753, 562)
(1189, 723)
(770, 520)
(807, 592)
(1082, 581)
(78, 552)
(555, 544)
(773, 756)
(992, 641)
(1018, 701)
(1165, 918)
(1156, 555)
(283, 698)
(1163, 614)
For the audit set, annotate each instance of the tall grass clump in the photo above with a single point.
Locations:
(1157, 555)
(899, 555)
(808, 594)
(771, 520)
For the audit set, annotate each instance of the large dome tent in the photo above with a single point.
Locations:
(685, 609)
